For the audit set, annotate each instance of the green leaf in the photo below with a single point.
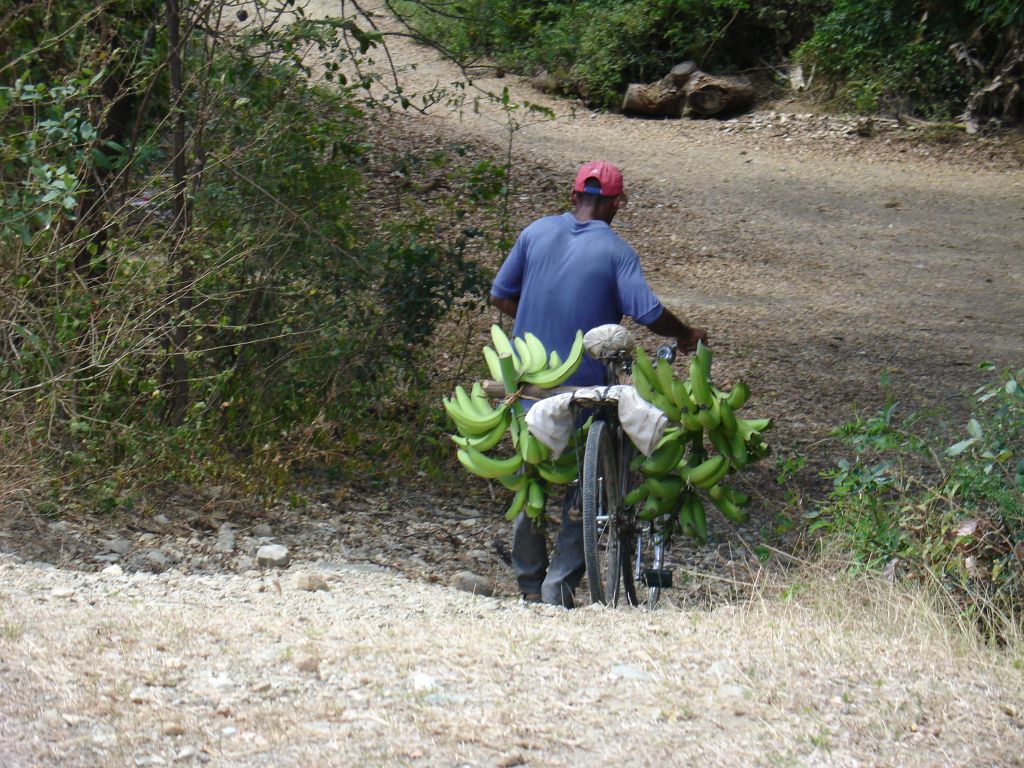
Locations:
(958, 448)
(974, 429)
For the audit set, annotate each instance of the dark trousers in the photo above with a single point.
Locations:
(554, 580)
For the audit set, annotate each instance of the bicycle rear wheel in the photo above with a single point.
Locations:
(601, 494)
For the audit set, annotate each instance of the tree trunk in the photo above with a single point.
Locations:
(180, 286)
(688, 90)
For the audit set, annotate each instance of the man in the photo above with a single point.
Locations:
(566, 273)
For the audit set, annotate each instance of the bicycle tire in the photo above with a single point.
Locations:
(601, 494)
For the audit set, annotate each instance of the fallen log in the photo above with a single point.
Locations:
(686, 90)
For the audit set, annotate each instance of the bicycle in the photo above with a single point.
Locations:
(622, 553)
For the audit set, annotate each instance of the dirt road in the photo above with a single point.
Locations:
(817, 258)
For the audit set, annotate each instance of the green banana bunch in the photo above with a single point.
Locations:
(487, 466)
(531, 363)
(657, 385)
(474, 417)
(705, 440)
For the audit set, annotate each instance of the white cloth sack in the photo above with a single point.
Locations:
(551, 420)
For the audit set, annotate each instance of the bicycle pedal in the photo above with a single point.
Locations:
(658, 577)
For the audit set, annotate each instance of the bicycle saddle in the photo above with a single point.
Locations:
(606, 341)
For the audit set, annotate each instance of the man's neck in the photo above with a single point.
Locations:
(583, 215)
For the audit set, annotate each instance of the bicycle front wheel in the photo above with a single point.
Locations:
(601, 494)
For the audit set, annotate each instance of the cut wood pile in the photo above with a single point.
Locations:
(686, 90)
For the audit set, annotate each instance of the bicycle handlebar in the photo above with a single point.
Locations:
(667, 352)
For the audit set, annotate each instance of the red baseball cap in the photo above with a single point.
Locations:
(603, 177)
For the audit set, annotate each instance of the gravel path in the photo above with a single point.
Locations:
(251, 670)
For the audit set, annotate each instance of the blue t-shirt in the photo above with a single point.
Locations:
(571, 276)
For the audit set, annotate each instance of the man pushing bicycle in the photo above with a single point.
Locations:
(566, 273)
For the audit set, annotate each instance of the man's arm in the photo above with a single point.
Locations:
(508, 306)
(667, 324)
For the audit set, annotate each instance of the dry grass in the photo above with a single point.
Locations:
(835, 673)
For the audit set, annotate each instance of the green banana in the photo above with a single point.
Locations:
(721, 442)
(502, 344)
(469, 422)
(518, 502)
(667, 406)
(527, 362)
(553, 359)
(487, 466)
(685, 512)
(493, 367)
(691, 423)
(705, 357)
(707, 473)
(635, 496)
(672, 434)
(738, 498)
(698, 516)
(727, 417)
(514, 482)
(655, 507)
(749, 427)
(464, 401)
(643, 386)
(642, 364)
(532, 450)
(664, 459)
(479, 399)
(728, 507)
(537, 351)
(535, 500)
(740, 454)
(709, 418)
(552, 377)
(555, 473)
(738, 395)
(681, 397)
(663, 376)
(665, 488)
(700, 387)
(484, 442)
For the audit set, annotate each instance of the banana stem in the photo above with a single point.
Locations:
(509, 374)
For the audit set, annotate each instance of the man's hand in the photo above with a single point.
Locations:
(688, 342)
(686, 336)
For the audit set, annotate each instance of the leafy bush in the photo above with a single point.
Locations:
(238, 319)
(890, 55)
(595, 47)
(953, 515)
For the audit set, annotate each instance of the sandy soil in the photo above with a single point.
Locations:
(818, 259)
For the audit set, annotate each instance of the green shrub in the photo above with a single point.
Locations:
(296, 310)
(952, 515)
(890, 55)
(593, 48)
